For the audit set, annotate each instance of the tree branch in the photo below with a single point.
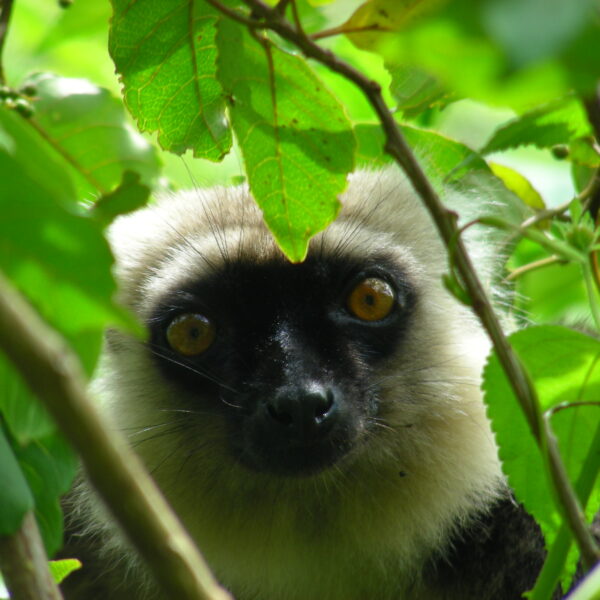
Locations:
(24, 564)
(53, 373)
(444, 220)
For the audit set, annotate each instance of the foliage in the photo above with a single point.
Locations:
(203, 83)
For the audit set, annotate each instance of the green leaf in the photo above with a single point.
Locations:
(297, 144)
(61, 568)
(414, 89)
(565, 368)
(129, 196)
(42, 164)
(16, 498)
(86, 125)
(49, 465)
(370, 141)
(166, 56)
(375, 16)
(584, 151)
(474, 64)
(22, 413)
(518, 184)
(59, 259)
(557, 122)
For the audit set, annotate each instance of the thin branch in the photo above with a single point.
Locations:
(538, 264)
(5, 12)
(54, 374)
(569, 406)
(343, 29)
(24, 564)
(445, 220)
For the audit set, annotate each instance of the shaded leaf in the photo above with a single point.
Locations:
(59, 259)
(22, 413)
(49, 465)
(584, 151)
(16, 498)
(414, 89)
(557, 122)
(129, 196)
(166, 56)
(297, 144)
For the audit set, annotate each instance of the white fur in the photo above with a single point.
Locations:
(358, 530)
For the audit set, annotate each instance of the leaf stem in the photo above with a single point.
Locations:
(54, 374)
(24, 564)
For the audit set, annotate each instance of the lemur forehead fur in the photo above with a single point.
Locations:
(318, 427)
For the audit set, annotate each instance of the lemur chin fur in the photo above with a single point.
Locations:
(318, 427)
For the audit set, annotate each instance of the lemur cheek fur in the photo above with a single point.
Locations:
(318, 427)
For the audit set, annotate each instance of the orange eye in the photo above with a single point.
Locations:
(371, 300)
(190, 334)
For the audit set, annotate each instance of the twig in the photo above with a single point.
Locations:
(342, 29)
(538, 264)
(54, 374)
(24, 564)
(5, 12)
(445, 220)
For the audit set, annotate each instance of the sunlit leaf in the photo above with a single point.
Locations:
(297, 144)
(375, 16)
(166, 56)
(61, 568)
(518, 184)
(565, 367)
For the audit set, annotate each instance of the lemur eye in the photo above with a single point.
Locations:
(190, 334)
(371, 300)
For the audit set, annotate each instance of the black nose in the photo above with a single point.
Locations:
(305, 412)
